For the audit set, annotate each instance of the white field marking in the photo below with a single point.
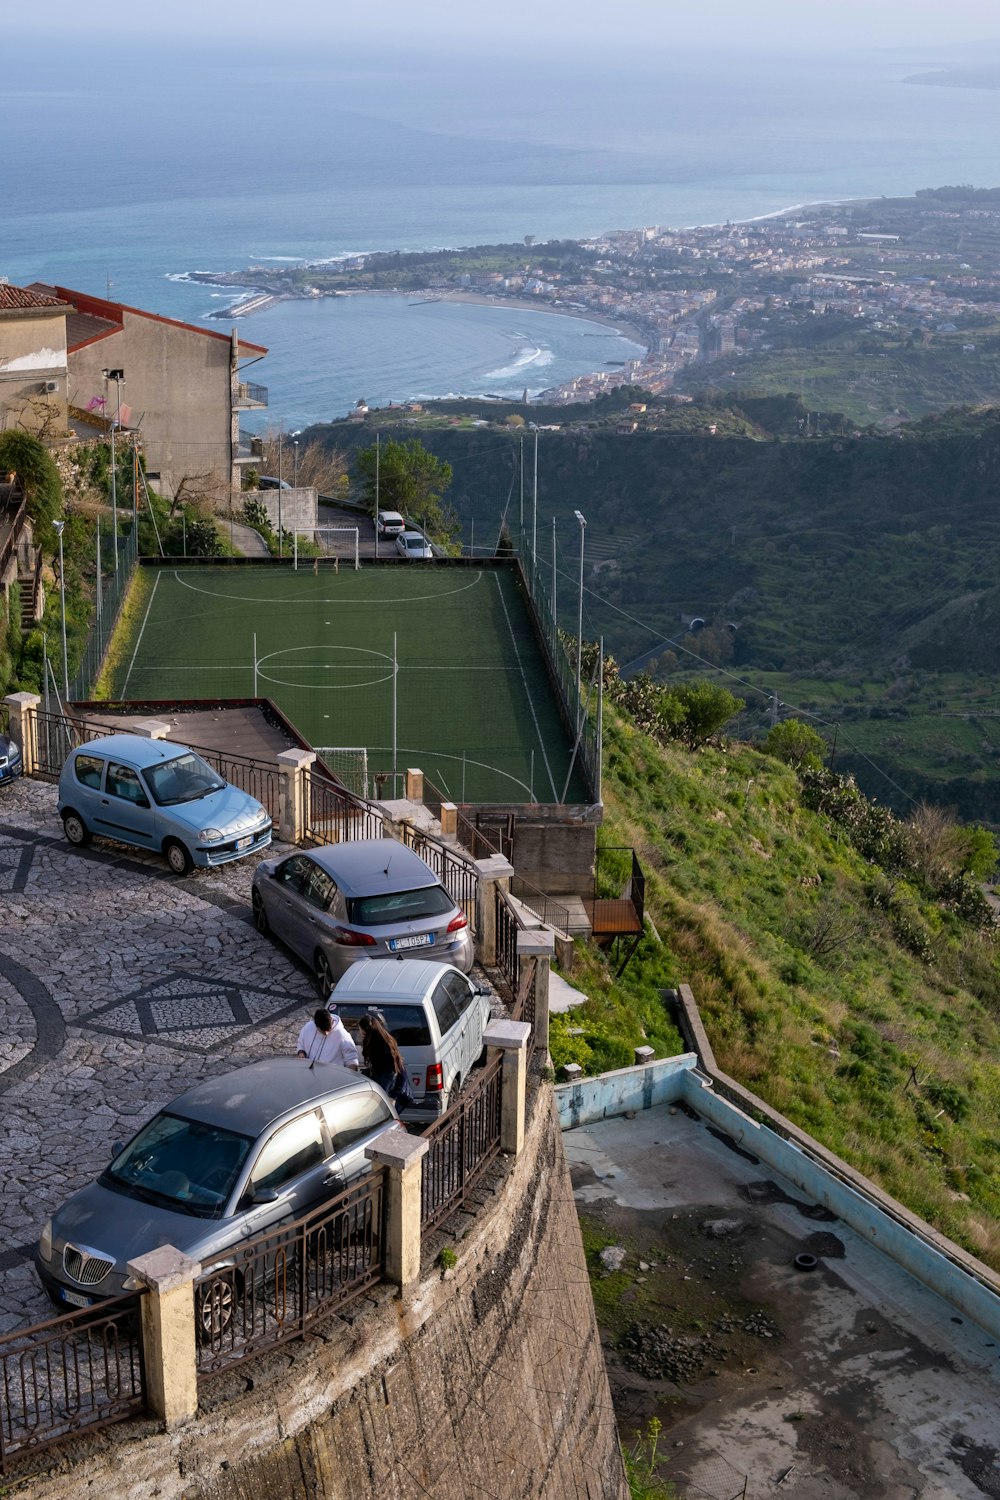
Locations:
(142, 630)
(291, 650)
(328, 599)
(527, 694)
(327, 687)
(483, 765)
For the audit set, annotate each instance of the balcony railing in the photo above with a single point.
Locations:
(249, 396)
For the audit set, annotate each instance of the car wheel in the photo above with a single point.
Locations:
(76, 830)
(259, 914)
(177, 857)
(215, 1307)
(457, 1089)
(324, 974)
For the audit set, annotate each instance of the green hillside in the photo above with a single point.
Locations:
(855, 577)
(836, 988)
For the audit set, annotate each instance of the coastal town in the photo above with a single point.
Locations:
(903, 274)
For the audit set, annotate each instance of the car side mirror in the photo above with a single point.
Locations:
(254, 1196)
(117, 1147)
(142, 802)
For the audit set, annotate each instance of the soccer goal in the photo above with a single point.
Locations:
(337, 542)
(349, 763)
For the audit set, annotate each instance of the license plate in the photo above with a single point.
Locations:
(245, 841)
(75, 1299)
(420, 941)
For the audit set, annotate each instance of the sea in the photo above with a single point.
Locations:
(125, 168)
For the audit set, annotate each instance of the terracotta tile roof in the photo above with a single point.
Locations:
(98, 317)
(25, 299)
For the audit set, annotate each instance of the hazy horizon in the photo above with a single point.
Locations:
(450, 25)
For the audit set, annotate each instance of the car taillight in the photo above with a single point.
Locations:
(435, 1079)
(348, 938)
(457, 923)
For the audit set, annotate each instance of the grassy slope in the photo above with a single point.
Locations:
(808, 995)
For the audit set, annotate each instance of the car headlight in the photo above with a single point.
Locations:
(210, 835)
(45, 1241)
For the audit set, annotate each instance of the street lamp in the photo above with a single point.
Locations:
(295, 471)
(117, 376)
(62, 602)
(579, 626)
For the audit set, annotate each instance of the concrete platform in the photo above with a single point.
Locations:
(847, 1380)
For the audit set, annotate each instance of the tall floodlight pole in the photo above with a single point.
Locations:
(62, 607)
(520, 523)
(579, 624)
(117, 376)
(534, 520)
(280, 539)
(555, 617)
(295, 470)
(378, 458)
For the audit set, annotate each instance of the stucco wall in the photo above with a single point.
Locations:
(33, 355)
(177, 389)
(488, 1383)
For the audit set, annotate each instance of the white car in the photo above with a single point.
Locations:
(389, 523)
(414, 546)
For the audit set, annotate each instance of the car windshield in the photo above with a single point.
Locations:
(184, 1164)
(399, 906)
(182, 780)
(415, 543)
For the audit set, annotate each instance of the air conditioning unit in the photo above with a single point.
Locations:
(51, 385)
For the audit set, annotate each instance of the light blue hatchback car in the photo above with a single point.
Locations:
(158, 796)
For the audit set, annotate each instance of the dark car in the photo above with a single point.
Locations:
(234, 1157)
(10, 759)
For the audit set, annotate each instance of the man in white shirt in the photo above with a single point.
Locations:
(325, 1039)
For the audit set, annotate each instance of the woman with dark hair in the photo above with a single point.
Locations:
(383, 1059)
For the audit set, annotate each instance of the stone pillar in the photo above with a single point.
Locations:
(539, 944)
(449, 820)
(292, 794)
(490, 873)
(414, 786)
(644, 1055)
(512, 1037)
(571, 1072)
(150, 729)
(402, 1156)
(23, 707)
(169, 1347)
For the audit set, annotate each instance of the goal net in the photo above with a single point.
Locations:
(349, 763)
(324, 544)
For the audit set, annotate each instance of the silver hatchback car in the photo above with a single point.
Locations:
(232, 1158)
(365, 898)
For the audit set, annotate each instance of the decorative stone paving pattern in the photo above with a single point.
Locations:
(120, 986)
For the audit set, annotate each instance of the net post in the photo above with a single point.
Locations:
(255, 692)
(395, 674)
(295, 550)
(357, 549)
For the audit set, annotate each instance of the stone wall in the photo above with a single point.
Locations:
(488, 1381)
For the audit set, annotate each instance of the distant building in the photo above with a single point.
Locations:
(33, 361)
(182, 388)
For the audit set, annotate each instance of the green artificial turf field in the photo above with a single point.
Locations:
(472, 705)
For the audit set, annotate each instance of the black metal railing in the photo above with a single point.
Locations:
(619, 887)
(463, 1143)
(248, 395)
(507, 928)
(257, 777)
(79, 1371)
(456, 873)
(333, 814)
(546, 908)
(282, 1281)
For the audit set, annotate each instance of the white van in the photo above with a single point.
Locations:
(436, 1014)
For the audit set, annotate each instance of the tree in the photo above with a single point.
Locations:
(39, 477)
(411, 480)
(795, 743)
(706, 708)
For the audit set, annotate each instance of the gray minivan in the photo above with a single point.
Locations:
(436, 1014)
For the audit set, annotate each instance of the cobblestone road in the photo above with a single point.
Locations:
(120, 986)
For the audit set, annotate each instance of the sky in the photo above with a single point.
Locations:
(571, 24)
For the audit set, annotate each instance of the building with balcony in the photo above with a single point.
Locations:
(181, 388)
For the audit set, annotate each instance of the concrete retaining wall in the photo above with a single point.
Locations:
(488, 1383)
(961, 1280)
